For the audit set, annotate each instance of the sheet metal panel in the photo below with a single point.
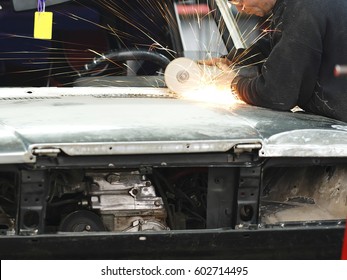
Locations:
(106, 121)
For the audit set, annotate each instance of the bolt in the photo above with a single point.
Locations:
(157, 203)
(134, 191)
(113, 178)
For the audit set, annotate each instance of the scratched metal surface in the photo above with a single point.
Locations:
(99, 121)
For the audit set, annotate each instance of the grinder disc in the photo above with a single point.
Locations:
(182, 75)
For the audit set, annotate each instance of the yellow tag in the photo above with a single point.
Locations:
(43, 25)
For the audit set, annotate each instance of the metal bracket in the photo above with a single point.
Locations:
(248, 147)
(222, 183)
(248, 197)
(51, 152)
(32, 209)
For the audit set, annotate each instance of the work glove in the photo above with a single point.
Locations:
(220, 62)
(218, 71)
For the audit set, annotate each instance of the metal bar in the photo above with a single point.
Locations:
(231, 24)
(296, 243)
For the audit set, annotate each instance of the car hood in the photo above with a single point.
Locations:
(108, 121)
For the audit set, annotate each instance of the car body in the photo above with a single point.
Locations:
(108, 166)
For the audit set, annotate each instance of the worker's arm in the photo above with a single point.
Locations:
(291, 70)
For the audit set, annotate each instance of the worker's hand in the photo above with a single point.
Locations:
(220, 62)
(218, 71)
(224, 78)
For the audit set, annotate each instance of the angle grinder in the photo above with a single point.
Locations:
(184, 75)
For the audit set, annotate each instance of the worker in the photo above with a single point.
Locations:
(301, 46)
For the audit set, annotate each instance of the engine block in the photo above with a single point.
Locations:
(127, 201)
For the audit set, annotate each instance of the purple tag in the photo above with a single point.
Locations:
(41, 5)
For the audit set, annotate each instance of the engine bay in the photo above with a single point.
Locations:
(54, 201)
(117, 201)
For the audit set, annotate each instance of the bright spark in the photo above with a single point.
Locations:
(214, 87)
(212, 94)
